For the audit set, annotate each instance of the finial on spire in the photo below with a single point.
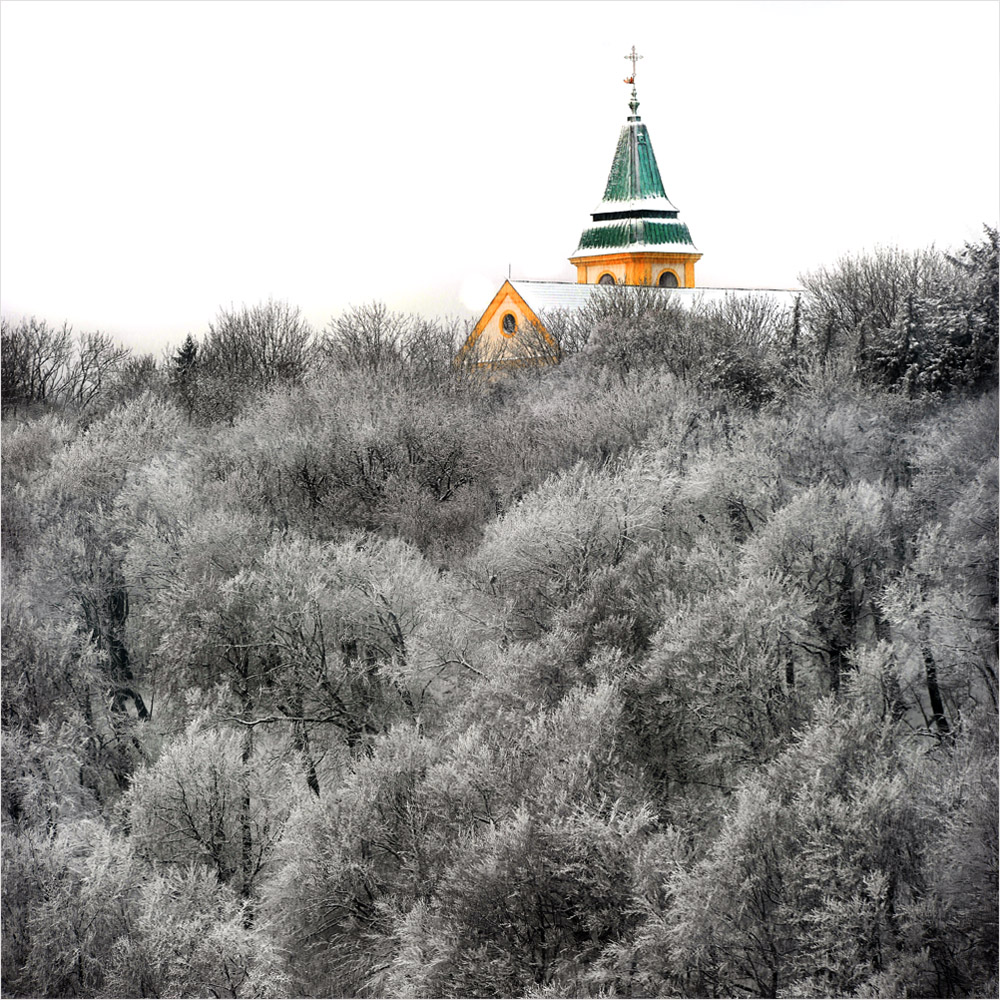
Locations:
(634, 57)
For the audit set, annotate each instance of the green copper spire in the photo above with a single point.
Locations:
(635, 212)
(634, 174)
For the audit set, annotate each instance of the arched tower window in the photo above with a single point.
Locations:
(668, 280)
(606, 279)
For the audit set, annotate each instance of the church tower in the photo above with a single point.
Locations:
(635, 237)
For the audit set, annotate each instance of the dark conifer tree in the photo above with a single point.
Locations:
(183, 372)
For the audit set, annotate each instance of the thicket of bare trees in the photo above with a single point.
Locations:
(333, 668)
(44, 367)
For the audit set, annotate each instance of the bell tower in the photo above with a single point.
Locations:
(635, 237)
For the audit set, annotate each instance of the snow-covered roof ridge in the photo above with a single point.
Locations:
(567, 296)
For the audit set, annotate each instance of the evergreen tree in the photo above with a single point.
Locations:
(183, 372)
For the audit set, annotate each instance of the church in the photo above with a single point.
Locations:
(635, 237)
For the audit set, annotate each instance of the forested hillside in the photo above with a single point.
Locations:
(333, 669)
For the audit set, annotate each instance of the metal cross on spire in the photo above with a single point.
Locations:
(634, 57)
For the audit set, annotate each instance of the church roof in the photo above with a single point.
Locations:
(536, 303)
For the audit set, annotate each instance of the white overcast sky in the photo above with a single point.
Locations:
(159, 161)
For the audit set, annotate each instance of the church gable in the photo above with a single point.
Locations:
(509, 333)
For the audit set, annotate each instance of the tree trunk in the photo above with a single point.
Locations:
(300, 738)
(930, 675)
(246, 832)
